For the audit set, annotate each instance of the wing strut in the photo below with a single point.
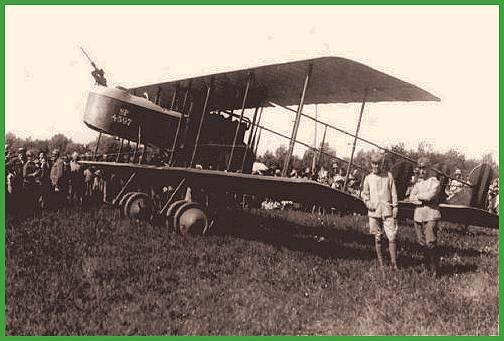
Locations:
(296, 123)
(249, 137)
(308, 146)
(319, 156)
(120, 150)
(97, 145)
(368, 142)
(247, 87)
(203, 114)
(179, 125)
(355, 139)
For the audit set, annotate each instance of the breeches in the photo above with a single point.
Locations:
(378, 226)
(426, 233)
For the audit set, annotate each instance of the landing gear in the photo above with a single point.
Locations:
(191, 218)
(170, 213)
(183, 216)
(138, 206)
(187, 217)
(122, 202)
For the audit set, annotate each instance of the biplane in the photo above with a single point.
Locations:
(208, 146)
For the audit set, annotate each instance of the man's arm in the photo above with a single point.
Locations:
(431, 192)
(365, 191)
(366, 194)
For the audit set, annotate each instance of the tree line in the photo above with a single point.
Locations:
(66, 146)
(452, 159)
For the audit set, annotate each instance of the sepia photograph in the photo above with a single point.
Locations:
(251, 170)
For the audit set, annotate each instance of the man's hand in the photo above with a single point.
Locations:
(370, 206)
(395, 211)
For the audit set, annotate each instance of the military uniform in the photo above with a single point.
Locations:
(426, 196)
(380, 196)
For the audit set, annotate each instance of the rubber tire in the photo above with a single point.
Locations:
(170, 213)
(134, 199)
(183, 209)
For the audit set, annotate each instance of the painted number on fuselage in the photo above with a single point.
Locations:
(122, 117)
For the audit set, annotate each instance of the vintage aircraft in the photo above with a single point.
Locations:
(200, 121)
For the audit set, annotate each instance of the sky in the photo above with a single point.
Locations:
(450, 51)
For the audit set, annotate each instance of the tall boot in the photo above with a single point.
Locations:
(393, 254)
(379, 254)
(434, 261)
(427, 259)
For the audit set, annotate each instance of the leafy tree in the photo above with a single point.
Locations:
(276, 160)
(59, 141)
(76, 147)
(269, 159)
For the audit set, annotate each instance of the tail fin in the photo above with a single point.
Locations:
(480, 177)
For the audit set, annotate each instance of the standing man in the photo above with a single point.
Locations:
(76, 180)
(45, 180)
(425, 195)
(59, 179)
(380, 196)
(15, 180)
(30, 178)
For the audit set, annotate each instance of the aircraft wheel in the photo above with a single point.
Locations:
(123, 201)
(138, 207)
(170, 213)
(191, 218)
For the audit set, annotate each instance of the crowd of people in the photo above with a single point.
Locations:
(333, 177)
(41, 181)
(54, 180)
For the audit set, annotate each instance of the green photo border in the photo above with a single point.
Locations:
(222, 2)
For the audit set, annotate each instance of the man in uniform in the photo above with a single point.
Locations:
(59, 179)
(17, 164)
(425, 195)
(30, 180)
(380, 196)
(76, 180)
(45, 180)
(15, 180)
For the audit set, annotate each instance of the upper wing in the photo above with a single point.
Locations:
(333, 80)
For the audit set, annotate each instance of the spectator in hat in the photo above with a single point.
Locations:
(88, 184)
(59, 179)
(425, 195)
(30, 171)
(455, 185)
(45, 179)
(339, 179)
(15, 168)
(380, 196)
(99, 187)
(354, 182)
(76, 180)
(17, 163)
(30, 180)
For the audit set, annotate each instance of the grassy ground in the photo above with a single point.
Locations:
(87, 272)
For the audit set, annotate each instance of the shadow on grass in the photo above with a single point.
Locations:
(449, 270)
(340, 242)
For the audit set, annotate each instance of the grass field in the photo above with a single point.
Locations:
(259, 273)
